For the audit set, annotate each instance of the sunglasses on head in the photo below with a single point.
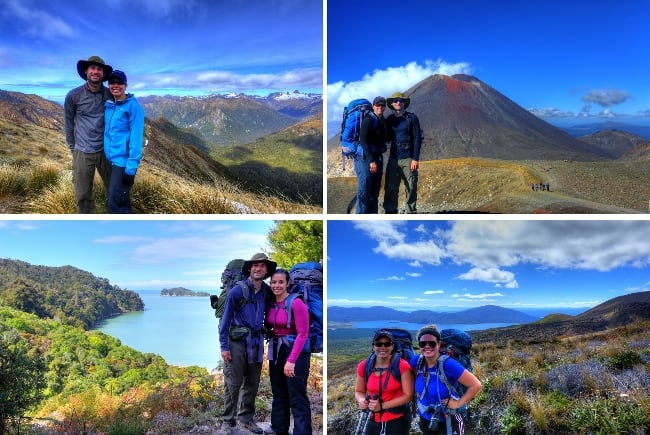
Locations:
(383, 343)
(428, 343)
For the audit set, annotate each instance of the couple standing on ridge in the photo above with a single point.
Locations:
(402, 130)
(241, 338)
(104, 129)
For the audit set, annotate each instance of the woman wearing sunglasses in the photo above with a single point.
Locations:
(384, 391)
(436, 386)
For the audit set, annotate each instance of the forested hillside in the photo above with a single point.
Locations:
(67, 294)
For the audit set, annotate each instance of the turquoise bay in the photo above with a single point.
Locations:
(181, 329)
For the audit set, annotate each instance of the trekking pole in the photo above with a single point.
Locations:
(363, 416)
(369, 417)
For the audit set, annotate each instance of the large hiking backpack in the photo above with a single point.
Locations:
(455, 344)
(306, 282)
(230, 276)
(353, 114)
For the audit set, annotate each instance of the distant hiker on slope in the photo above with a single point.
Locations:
(84, 130)
(124, 130)
(403, 132)
(369, 165)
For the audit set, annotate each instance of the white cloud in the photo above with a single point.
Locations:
(434, 292)
(384, 82)
(414, 274)
(491, 275)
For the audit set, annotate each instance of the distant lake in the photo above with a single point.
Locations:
(181, 329)
(378, 324)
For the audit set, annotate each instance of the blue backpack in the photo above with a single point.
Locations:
(353, 114)
(306, 282)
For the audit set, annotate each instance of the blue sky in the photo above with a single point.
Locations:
(451, 265)
(137, 254)
(178, 47)
(566, 60)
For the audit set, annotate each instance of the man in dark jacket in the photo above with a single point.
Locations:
(242, 342)
(84, 130)
(404, 134)
(369, 165)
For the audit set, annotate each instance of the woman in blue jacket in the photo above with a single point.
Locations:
(123, 133)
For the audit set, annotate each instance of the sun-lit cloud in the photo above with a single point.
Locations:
(382, 82)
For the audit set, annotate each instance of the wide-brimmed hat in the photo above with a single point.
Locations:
(82, 66)
(390, 99)
(259, 258)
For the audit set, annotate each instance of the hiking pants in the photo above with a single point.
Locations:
(83, 175)
(119, 194)
(241, 381)
(397, 171)
(397, 426)
(290, 394)
(368, 185)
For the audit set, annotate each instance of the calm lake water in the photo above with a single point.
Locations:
(181, 329)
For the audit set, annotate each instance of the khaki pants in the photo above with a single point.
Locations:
(397, 171)
(83, 175)
(242, 381)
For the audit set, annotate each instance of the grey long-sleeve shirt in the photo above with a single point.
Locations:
(84, 118)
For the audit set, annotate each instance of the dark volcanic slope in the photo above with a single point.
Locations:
(462, 116)
(616, 312)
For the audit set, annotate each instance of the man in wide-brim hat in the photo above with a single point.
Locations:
(241, 338)
(84, 130)
(405, 136)
(82, 67)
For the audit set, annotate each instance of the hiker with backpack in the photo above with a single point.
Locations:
(241, 337)
(123, 133)
(369, 162)
(380, 392)
(289, 355)
(84, 130)
(442, 386)
(405, 136)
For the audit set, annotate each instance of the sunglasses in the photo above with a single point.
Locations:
(428, 343)
(398, 100)
(380, 105)
(115, 82)
(383, 343)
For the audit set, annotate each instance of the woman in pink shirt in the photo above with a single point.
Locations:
(289, 358)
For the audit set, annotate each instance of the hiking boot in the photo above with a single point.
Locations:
(227, 427)
(251, 426)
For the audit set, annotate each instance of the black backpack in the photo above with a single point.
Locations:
(230, 276)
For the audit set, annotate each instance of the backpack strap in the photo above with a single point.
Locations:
(287, 307)
(442, 375)
(246, 291)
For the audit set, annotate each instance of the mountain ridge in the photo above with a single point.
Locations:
(483, 314)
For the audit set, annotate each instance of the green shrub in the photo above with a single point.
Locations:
(625, 360)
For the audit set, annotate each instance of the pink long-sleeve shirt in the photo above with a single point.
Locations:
(299, 327)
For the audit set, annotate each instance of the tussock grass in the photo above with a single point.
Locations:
(47, 188)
